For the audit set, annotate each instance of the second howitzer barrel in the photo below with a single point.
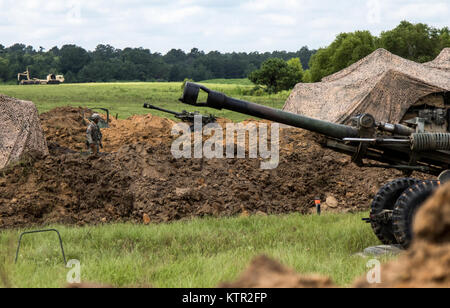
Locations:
(148, 106)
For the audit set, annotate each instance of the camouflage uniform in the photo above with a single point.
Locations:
(94, 135)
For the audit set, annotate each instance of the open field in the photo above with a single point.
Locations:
(241, 82)
(127, 99)
(195, 253)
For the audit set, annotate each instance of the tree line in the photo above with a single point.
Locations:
(107, 63)
(278, 70)
(416, 42)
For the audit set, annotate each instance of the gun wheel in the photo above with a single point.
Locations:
(406, 208)
(384, 201)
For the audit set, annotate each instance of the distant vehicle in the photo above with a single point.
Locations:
(25, 79)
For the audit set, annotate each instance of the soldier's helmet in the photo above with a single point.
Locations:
(95, 116)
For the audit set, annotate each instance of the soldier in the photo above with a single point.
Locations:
(94, 135)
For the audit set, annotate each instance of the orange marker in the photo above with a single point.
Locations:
(318, 203)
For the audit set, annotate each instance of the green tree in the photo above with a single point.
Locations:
(107, 63)
(175, 56)
(444, 38)
(295, 64)
(4, 69)
(296, 72)
(277, 74)
(416, 42)
(307, 77)
(72, 59)
(104, 53)
(346, 49)
(97, 71)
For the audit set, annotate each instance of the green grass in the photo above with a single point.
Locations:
(242, 82)
(197, 253)
(127, 99)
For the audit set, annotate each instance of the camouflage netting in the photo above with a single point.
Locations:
(382, 84)
(442, 61)
(20, 130)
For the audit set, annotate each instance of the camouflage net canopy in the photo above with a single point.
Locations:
(442, 61)
(20, 131)
(382, 84)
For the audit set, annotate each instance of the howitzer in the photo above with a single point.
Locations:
(406, 147)
(185, 116)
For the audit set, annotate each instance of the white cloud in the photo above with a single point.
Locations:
(422, 11)
(280, 19)
(258, 5)
(225, 25)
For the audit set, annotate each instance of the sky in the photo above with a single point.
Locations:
(223, 25)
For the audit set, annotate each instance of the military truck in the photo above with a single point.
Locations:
(25, 79)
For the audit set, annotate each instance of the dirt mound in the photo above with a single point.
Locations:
(65, 126)
(148, 129)
(427, 263)
(145, 179)
(67, 189)
(433, 220)
(423, 266)
(267, 273)
(141, 177)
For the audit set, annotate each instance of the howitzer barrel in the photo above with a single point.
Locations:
(221, 101)
(148, 106)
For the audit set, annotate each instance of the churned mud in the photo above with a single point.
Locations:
(138, 176)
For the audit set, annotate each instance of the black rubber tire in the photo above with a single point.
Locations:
(406, 208)
(385, 199)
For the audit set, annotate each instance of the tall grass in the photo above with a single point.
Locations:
(196, 253)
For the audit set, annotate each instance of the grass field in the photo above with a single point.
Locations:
(241, 82)
(127, 99)
(197, 253)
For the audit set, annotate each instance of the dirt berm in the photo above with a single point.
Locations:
(140, 176)
(264, 272)
(425, 265)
